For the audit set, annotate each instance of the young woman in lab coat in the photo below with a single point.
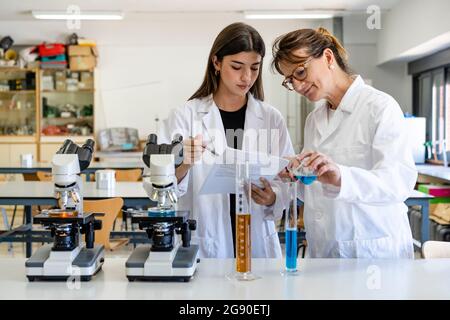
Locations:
(228, 110)
(356, 142)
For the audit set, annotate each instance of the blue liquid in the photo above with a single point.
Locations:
(291, 249)
(306, 179)
(154, 212)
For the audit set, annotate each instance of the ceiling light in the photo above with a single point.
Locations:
(290, 14)
(83, 15)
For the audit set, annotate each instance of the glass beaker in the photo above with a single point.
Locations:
(290, 229)
(303, 173)
(243, 225)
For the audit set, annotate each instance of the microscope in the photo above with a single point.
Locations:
(68, 257)
(171, 256)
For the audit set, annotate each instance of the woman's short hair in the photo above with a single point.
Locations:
(313, 41)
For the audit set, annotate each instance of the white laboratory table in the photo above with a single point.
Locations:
(318, 279)
(41, 193)
(94, 166)
(118, 155)
(440, 172)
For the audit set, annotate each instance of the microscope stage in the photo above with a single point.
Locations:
(86, 264)
(54, 216)
(144, 216)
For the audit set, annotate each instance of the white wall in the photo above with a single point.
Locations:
(361, 44)
(409, 24)
(149, 65)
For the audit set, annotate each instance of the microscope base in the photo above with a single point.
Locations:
(181, 268)
(85, 264)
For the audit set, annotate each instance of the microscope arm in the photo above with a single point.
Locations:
(159, 178)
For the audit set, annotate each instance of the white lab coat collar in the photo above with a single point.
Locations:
(345, 106)
(253, 106)
(210, 115)
(347, 103)
(254, 120)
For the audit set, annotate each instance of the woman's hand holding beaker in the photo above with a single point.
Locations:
(325, 168)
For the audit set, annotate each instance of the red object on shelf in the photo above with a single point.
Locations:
(54, 130)
(51, 49)
(436, 190)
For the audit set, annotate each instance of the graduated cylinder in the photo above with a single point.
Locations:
(243, 219)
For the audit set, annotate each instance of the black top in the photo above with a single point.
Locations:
(233, 121)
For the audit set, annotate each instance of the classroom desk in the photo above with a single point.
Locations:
(118, 155)
(318, 279)
(94, 166)
(41, 193)
(30, 193)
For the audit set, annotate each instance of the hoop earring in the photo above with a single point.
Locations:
(216, 72)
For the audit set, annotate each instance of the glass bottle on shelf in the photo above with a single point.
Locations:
(67, 103)
(17, 102)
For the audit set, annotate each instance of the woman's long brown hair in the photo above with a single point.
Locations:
(237, 37)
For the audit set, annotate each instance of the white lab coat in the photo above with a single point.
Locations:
(212, 212)
(366, 217)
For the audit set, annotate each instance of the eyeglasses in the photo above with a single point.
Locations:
(299, 74)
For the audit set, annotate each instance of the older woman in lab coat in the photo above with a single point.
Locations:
(357, 144)
(230, 98)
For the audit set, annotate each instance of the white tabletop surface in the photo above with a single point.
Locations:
(38, 189)
(118, 154)
(419, 195)
(318, 279)
(434, 171)
(93, 165)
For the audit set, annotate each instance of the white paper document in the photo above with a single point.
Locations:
(222, 176)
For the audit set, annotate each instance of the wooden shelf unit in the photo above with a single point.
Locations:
(40, 145)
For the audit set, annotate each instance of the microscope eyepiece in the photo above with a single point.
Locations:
(152, 138)
(89, 144)
(177, 138)
(84, 153)
(64, 146)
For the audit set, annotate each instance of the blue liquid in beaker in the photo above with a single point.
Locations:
(291, 249)
(306, 179)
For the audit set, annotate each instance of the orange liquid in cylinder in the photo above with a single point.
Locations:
(243, 243)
